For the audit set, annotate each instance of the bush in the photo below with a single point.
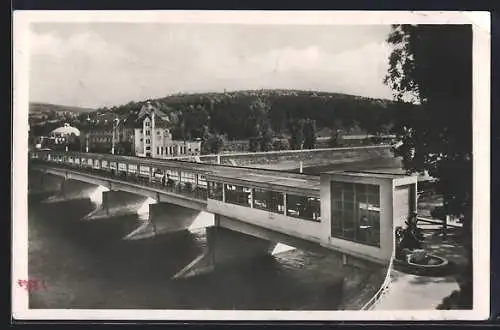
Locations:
(281, 144)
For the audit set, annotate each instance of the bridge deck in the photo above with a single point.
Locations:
(257, 176)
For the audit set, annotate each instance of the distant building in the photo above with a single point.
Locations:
(62, 135)
(152, 136)
(62, 138)
(100, 137)
(65, 131)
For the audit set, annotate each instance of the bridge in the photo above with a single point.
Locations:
(351, 213)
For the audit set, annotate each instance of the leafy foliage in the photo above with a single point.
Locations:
(309, 132)
(296, 129)
(258, 116)
(431, 65)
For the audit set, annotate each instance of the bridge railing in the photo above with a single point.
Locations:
(179, 188)
(382, 290)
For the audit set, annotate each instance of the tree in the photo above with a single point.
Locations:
(431, 66)
(309, 132)
(73, 142)
(280, 144)
(213, 144)
(266, 139)
(296, 134)
(259, 126)
(253, 144)
(334, 140)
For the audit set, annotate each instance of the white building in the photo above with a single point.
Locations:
(152, 137)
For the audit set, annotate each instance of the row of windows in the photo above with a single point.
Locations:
(175, 175)
(356, 212)
(302, 207)
(171, 150)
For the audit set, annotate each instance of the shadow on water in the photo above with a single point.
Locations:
(87, 264)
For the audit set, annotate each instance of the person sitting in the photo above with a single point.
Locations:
(411, 234)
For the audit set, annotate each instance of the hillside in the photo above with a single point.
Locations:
(36, 107)
(255, 116)
(236, 114)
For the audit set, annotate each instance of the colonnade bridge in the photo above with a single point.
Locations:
(351, 212)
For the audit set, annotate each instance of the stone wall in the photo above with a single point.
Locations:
(292, 158)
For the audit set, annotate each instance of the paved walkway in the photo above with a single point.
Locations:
(413, 292)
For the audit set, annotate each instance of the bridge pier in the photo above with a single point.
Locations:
(224, 247)
(71, 190)
(117, 203)
(167, 218)
(44, 183)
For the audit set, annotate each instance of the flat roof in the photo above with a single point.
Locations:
(307, 182)
(371, 174)
(399, 173)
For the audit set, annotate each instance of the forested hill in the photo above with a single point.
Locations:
(35, 107)
(244, 114)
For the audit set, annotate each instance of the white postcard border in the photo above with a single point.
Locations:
(481, 143)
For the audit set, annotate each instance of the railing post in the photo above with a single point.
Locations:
(445, 226)
(251, 197)
(284, 203)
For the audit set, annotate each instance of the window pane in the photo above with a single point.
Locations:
(303, 207)
(356, 216)
(336, 191)
(215, 190)
(374, 199)
(268, 200)
(237, 195)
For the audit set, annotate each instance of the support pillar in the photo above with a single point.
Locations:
(165, 218)
(45, 184)
(226, 247)
(117, 203)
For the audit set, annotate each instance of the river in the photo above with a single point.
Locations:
(87, 264)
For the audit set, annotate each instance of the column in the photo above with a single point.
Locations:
(284, 203)
(225, 246)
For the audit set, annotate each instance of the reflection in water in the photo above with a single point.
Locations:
(87, 264)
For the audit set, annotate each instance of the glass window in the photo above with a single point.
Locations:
(356, 212)
(268, 200)
(238, 195)
(303, 207)
(215, 190)
(188, 177)
(172, 175)
(202, 181)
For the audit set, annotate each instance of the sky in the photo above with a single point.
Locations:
(108, 64)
